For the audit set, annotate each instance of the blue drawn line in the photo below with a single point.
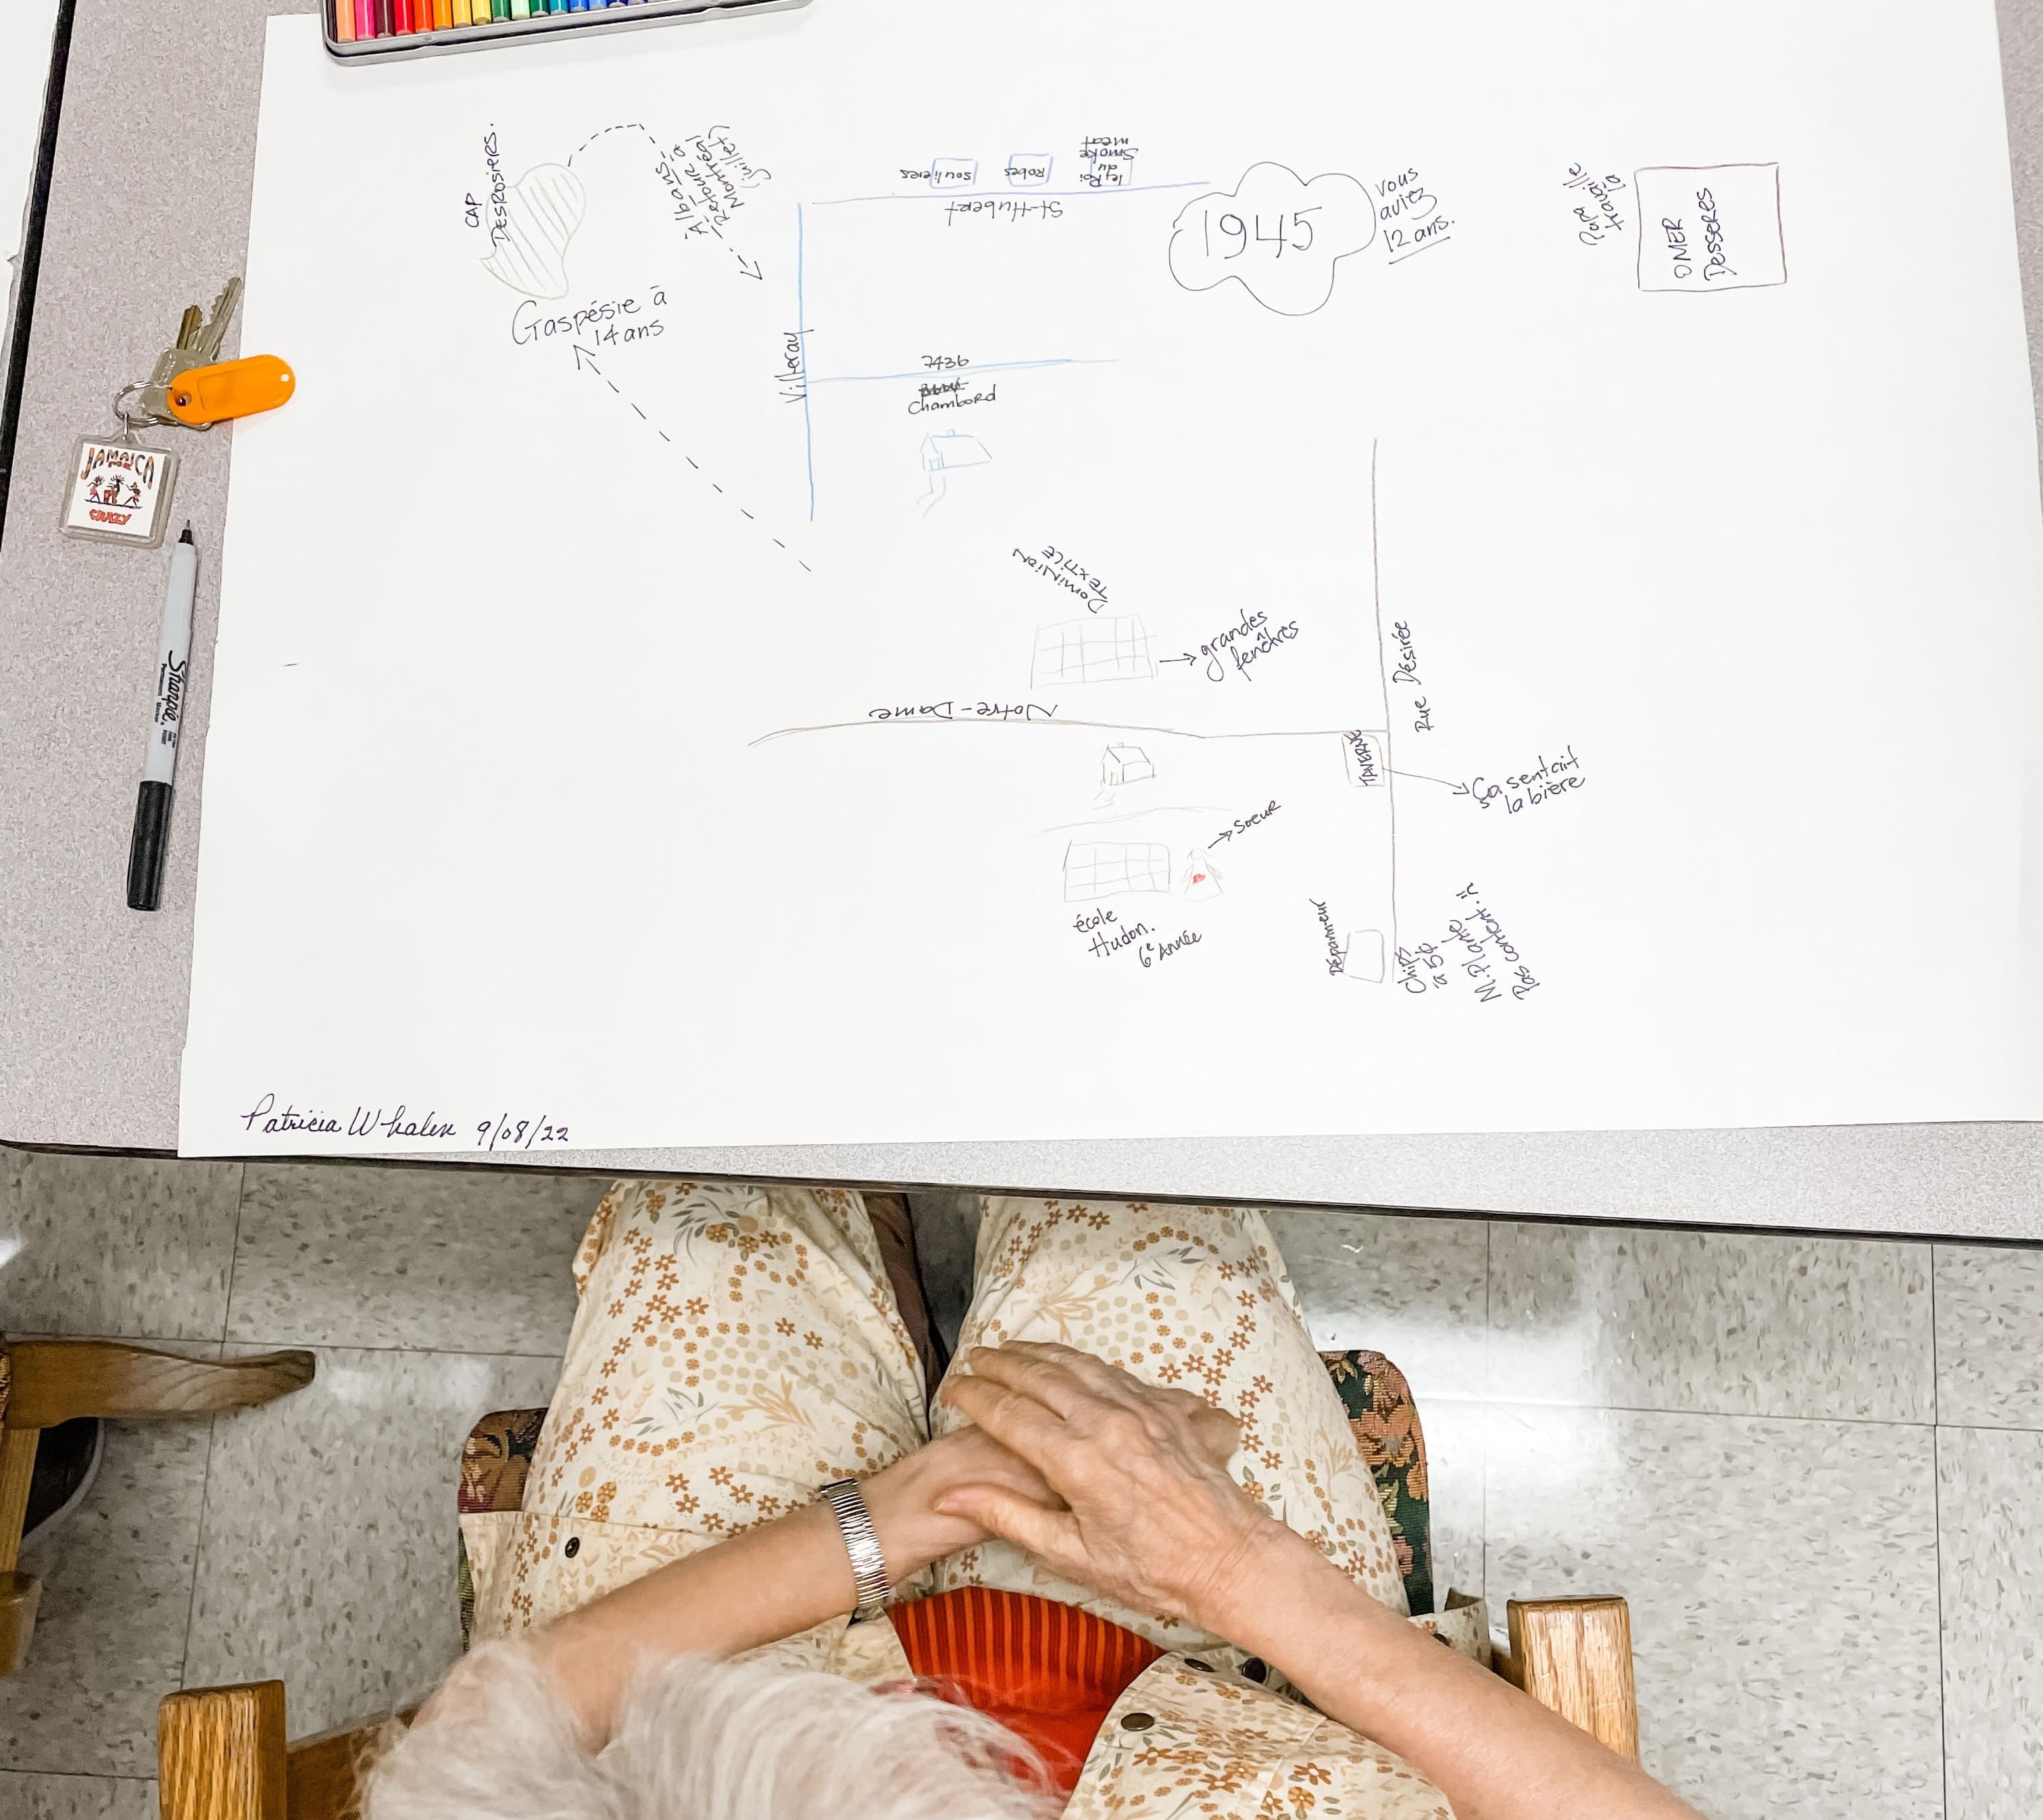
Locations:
(802, 341)
(976, 366)
(1023, 192)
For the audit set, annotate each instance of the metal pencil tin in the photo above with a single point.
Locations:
(547, 27)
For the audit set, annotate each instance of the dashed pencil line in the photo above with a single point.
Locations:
(584, 357)
(749, 268)
(622, 126)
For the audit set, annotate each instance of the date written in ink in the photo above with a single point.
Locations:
(508, 1132)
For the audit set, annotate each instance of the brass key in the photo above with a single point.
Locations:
(197, 344)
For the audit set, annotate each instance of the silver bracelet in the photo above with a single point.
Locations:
(861, 1542)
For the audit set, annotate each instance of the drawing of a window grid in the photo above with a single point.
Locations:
(1107, 868)
(1092, 651)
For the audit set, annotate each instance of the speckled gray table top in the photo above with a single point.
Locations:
(93, 996)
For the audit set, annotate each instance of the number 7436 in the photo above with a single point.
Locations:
(1293, 232)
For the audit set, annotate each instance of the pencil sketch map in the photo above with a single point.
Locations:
(704, 195)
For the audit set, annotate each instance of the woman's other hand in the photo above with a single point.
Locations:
(1144, 1511)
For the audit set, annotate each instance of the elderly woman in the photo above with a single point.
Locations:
(1133, 1566)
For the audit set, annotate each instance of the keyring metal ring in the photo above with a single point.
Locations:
(120, 408)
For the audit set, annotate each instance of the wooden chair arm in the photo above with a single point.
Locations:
(44, 1383)
(57, 1380)
(220, 1755)
(1574, 1657)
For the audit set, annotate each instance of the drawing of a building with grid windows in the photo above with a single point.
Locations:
(1114, 650)
(1108, 869)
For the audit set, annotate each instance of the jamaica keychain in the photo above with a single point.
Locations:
(120, 490)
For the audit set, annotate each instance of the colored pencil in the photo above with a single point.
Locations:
(357, 21)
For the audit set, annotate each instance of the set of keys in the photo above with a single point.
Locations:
(120, 487)
(189, 385)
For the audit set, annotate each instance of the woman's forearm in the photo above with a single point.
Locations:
(1494, 1753)
(777, 1581)
(782, 1578)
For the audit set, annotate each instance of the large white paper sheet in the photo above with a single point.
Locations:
(911, 569)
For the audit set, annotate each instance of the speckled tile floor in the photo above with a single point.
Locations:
(1796, 1457)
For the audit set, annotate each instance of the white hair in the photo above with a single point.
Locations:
(701, 1740)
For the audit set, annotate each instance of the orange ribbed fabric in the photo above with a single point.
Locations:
(1047, 1672)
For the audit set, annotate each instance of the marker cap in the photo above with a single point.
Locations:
(145, 851)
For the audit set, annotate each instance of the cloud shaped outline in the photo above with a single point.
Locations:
(1347, 191)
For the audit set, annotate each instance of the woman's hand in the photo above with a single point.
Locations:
(1145, 1511)
(903, 1498)
(775, 1580)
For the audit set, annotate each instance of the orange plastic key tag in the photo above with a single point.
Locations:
(208, 395)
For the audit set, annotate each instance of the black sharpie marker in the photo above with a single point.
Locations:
(159, 762)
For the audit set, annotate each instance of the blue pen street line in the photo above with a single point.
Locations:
(1021, 195)
(976, 366)
(802, 337)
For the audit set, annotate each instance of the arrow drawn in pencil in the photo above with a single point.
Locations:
(584, 357)
(750, 268)
(1187, 658)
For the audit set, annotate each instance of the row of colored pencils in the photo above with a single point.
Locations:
(357, 19)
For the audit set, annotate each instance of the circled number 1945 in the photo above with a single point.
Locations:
(1282, 233)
